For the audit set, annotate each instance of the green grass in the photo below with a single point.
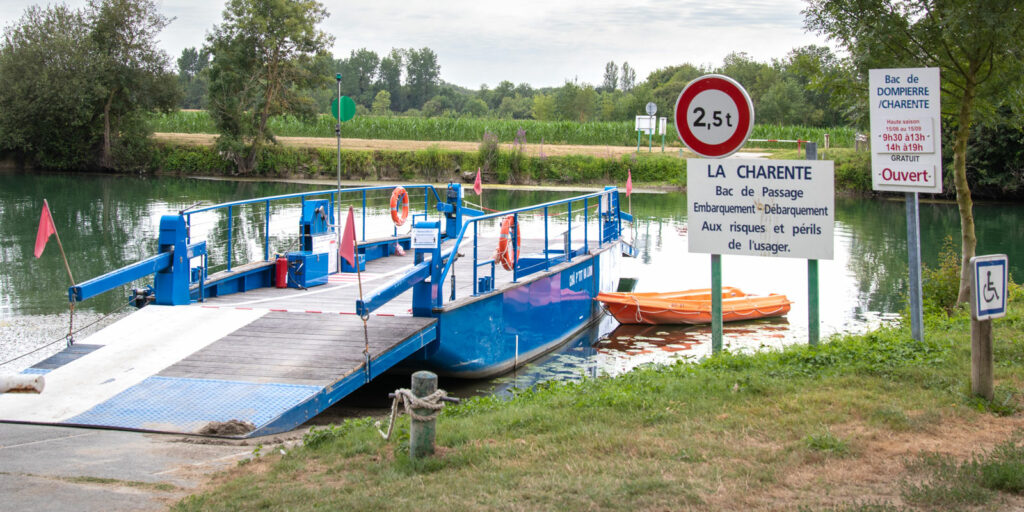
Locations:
(723, 434)
(827, 442)
(472, 130)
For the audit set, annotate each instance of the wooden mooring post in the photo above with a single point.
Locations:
(422, 433)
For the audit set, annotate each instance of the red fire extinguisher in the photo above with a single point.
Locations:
(281, 272)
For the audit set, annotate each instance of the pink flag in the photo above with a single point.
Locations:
(629, 182)
(46, 228)
(348, 239)
(477, 186)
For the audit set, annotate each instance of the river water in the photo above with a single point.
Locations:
(106, 222)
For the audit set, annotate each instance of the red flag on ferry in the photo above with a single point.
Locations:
(477, 186)
(629, 182)
(46, 228)
(348, 239)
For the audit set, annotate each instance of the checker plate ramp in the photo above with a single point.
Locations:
(178, 369)
(188, 405)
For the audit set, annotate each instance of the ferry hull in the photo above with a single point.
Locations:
(492, 334)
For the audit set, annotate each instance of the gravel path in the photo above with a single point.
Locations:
(22, 334)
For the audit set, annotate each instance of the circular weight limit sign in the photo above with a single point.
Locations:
(714, 116)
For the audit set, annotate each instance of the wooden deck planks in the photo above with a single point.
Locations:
(296, 348)
(321, 348)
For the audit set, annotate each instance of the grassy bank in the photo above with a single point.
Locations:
(468, 129)
(871, 422)
(433, 164)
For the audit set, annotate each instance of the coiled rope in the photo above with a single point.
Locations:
(434, 402)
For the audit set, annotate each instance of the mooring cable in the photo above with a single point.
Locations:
(66, 337)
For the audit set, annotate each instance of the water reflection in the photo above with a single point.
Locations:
(106, 222)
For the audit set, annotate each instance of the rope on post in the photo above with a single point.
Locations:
(434, 402)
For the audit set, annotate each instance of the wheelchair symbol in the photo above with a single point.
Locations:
(989, 292)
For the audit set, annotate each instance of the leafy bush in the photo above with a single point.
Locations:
(852, 169)
(940, 286)
(995, 164)
(488, 151)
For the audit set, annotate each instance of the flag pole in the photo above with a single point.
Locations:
(60, 245)
(71, 301)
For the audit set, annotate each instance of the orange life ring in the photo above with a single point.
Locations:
(505, 254)
(399, 206)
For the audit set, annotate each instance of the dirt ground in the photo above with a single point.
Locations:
(206, 139)
(874, 472)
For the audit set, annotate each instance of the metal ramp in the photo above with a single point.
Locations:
(179, 369)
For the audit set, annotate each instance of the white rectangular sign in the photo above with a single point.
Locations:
(988, 282)
(424, 238)
(781, 208)
(327, 243)
(906, 130)
(645, 124)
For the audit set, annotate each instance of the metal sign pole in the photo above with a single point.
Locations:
(650, 134)
(337, 209)
(914, 259)
(813, 297)
(813, 319)
(716, 303)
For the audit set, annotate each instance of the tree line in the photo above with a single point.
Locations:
(795, 89)
(76, 85)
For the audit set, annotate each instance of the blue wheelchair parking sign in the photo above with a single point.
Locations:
(989, 280)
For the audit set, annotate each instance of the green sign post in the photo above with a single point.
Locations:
(343, 108)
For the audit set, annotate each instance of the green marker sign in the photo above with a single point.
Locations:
(343, 108)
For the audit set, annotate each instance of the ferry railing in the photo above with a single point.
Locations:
(610, 214)
(331, 194)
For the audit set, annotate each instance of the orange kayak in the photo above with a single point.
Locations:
(691, 306)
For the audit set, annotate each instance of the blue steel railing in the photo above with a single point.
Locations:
(568, 253)
(302, 196)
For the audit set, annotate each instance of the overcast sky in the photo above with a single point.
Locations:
(541, 42)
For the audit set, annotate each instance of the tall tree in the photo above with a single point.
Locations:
(503, 90)
(389, 77)
(382, 103)
(611, 77)
(74, 85)
(628, 77)
(974, 43)
(826, 82)
(48, 92)
(135, 72)
(261, 54)
(359, 75)
(422, 75)
(191, 65)
(544, 107)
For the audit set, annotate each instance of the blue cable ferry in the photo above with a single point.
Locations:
(253, 319)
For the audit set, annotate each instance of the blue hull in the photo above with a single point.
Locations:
(493, 333)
